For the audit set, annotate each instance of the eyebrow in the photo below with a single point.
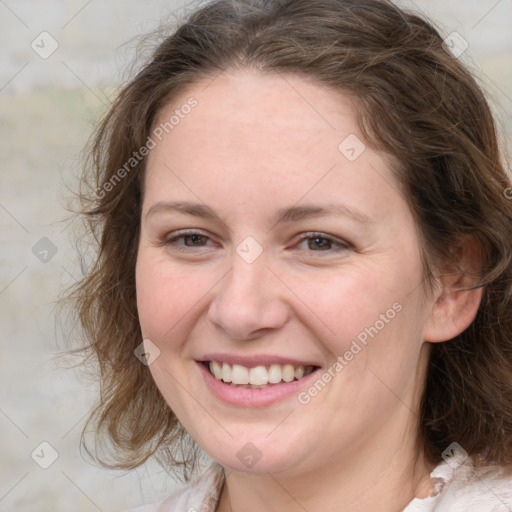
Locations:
(290, 214)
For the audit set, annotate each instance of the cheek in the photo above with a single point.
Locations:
(369, 317)
(370, 327)
(342, 304)
(166, 297)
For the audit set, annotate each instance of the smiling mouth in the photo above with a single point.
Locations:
(257, 377)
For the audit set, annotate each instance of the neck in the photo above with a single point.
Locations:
(369, 478)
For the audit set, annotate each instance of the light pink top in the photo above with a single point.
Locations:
(460, 488)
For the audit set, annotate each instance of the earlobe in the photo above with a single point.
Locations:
(456, 303)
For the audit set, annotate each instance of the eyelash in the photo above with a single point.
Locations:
(337, 245)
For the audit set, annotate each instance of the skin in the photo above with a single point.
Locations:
(255, 144)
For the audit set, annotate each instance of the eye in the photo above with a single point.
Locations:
(185, 240)
(321, 242)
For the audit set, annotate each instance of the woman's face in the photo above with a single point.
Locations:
(274, 242)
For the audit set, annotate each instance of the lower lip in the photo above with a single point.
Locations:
(247, 397)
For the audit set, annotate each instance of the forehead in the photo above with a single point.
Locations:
(281, 100)
(282, 135)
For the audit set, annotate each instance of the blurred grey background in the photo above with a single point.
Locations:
(60, 62)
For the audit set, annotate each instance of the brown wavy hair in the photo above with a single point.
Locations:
(416, 102)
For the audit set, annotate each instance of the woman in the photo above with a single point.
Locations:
(304, 266)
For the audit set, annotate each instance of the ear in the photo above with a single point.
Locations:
(454, 307)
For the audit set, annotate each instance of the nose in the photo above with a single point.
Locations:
(249, 301)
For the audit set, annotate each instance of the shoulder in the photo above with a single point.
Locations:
(200, 494)
(478, 489)
(465, 488)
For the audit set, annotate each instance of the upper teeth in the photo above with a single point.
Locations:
(258, 375)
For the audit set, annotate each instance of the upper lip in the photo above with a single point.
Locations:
(250, 361)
